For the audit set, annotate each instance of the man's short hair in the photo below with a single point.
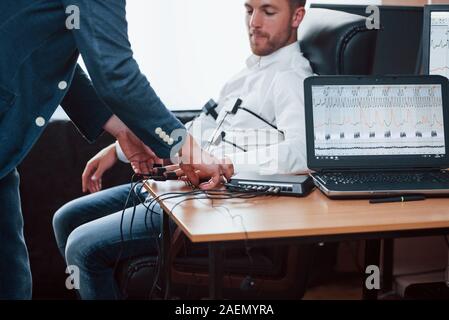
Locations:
(297, 3)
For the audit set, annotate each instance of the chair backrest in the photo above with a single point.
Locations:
(337, 43)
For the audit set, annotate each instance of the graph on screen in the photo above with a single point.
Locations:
(439, 44)
(378, 120)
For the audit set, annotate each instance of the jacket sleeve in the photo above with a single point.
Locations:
(84, 108)
(102, 40)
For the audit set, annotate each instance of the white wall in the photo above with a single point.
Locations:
(188, 49)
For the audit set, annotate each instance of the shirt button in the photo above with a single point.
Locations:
(40, 122)
(158, 131)
(62, 85)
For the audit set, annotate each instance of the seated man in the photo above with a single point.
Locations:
(260, 126)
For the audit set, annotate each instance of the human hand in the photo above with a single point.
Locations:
(141, 157)
(196, 165)
(96, 167)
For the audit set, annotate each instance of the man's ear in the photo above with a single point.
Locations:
(298, 16)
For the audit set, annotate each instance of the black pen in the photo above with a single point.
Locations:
(399, 199)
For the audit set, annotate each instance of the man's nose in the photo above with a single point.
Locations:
(256, 20)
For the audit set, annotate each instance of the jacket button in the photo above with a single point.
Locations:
(162, 135)
(40, 122)
(158, 131)
(62, 85)
(171, 142)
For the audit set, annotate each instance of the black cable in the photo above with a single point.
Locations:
(230, 196)
(211, 195)
(121, 227)
(246, 245)
(195, 194)
(262, 119)
(223, 135)
(157, 237)
(135, 195)
(132, 192)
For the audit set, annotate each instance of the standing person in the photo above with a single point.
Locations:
(38, 71)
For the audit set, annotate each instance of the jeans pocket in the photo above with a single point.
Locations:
(6, 100)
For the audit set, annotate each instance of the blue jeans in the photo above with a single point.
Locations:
(15, 274)
(88, 235)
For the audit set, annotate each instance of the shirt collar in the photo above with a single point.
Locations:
(279, 55)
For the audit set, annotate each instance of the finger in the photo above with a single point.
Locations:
(150, 162)
(179, 173)
(91, 187)
(94, 187)
(98, 173)
(227, 172)
(183, 177)
(98, 185)
(85, 177)
(213, 183)
(159, 161)
(190, 174)
(145, 168)
(172, 167)
(135, 167)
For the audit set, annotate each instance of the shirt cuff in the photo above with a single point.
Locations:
(120, 155)
(240, 163)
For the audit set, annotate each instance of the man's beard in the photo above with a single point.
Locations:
(271, 44)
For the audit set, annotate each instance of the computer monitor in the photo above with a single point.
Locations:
(436, 40)
(376, 122)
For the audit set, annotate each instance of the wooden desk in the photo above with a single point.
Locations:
(311, 219)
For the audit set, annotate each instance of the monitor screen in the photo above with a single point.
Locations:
(439, 43)
(378, 120)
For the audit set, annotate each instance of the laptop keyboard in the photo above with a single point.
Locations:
(364, 178)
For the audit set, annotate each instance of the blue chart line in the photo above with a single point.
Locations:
(378, 120)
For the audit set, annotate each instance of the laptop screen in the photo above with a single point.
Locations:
(362, 123)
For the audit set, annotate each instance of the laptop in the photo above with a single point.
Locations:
(380, 136)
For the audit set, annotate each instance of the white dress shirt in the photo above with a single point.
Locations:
(272, 87)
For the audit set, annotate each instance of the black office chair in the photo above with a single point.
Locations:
(335, 43)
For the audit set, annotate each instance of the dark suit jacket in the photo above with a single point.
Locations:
(38, 71)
